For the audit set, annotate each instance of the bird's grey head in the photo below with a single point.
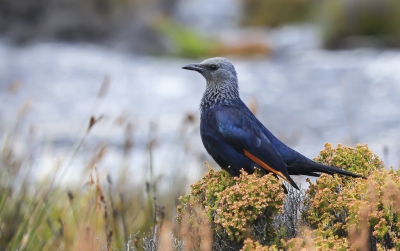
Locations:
(222, 83)
(215, 70)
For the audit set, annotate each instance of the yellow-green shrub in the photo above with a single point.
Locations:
(363, 211)
(251, 245)
(377, 19)
(310, 240)
(237, 205)
(338, 213)
(273, 13)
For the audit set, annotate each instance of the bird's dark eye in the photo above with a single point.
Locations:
(213, 67)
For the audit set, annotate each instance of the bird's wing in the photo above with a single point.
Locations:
(298, 164)
(241, 132)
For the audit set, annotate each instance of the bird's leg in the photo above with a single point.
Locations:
(284, 189)
(283, 186)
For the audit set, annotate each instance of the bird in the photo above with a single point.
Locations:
(236, 139)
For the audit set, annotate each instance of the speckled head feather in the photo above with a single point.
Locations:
(225, 71)
(222, 84)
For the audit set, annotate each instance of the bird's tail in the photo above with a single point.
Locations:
(314, 168)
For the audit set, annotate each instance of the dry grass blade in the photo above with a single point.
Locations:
(14, 87)
(104, 87)
(93, 121)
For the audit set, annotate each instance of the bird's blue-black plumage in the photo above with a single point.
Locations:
(236, 139)
(231, 134)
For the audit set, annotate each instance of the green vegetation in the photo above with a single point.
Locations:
(185, 42)
(188, 43)
(95, 215)
(360, 22)
(360, 213)
(343, 24)
(236, 206)
(276, 12)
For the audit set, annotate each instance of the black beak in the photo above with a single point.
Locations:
(193, 67)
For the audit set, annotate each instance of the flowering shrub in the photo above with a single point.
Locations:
(310, 240)
(364, 212)
(337, 213)
(239, 207)
(251, 245)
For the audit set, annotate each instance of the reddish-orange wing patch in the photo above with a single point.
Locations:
(264, 165)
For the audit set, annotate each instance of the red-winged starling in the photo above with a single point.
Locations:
(236, 139)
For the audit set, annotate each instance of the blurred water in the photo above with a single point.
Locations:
(305, 95)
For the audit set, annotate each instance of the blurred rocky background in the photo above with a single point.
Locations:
(190, 28)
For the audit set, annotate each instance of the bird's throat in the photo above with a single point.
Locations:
(224, 93)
